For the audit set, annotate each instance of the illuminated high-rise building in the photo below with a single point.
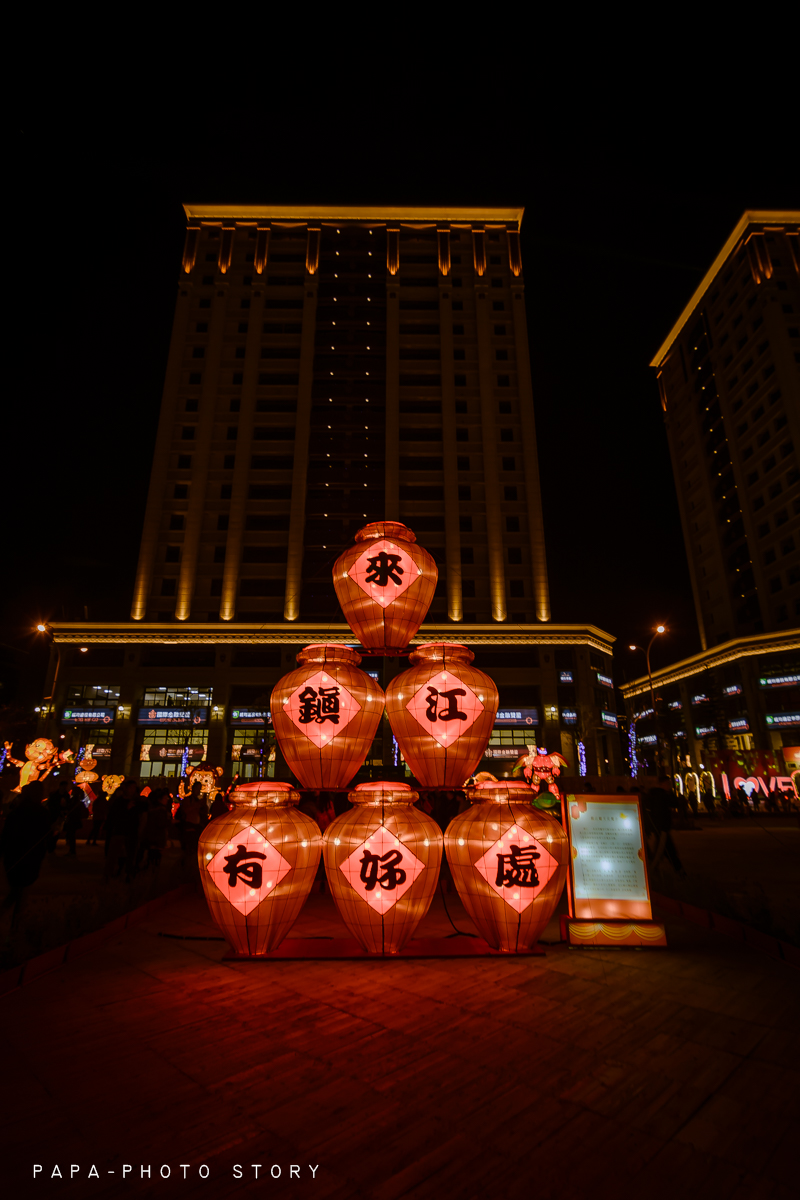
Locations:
(330, 366)
(729, 377)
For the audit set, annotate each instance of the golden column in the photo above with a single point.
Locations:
(163, 449)
(201, 454)
(533, 490)
(494, 518)
(297, 511)
(455, 607)
(391, 509)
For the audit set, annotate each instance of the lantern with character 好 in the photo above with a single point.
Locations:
(385, 585)
(325, 715)
(509, 863)
(382, 862)
(257, 864)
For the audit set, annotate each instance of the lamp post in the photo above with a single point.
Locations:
(659, 629)
(44, 628)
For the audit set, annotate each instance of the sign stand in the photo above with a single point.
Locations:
(608, 890)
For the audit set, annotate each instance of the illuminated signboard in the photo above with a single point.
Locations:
(704, 730)
(607, 859)
(172, 716)
(609, 719)
(566, 677)
(790, 679)
(784, 719)
(88, 716)
(675, 705)
(249, 716)
(149, 753)
(646, 712)
(700, 699)
(649, 739)
(735, 689)
(569, 716)
(606, 680)
(504, 751)
(101, 752)
(738, 724)
(517, 716)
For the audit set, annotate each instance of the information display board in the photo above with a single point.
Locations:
(607, 857)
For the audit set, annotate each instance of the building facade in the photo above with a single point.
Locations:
(729, 380)
(330, 367)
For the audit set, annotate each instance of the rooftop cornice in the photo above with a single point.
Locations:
(709, 659)
(360, 214)
(757, 217)
(139, 633)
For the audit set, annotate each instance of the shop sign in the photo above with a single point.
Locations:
(649, 739)
(609, 719)
(790, 679)
(675, 705)
(249, 716)
(239, 752)
(606, 680)
(150, 753)
(701, 698)
(569, 716)
(101, 752)
(566, 677)
(704, 730)
(517, 716)
(735, 689)
(739, 725)
(504, 751)
(172, 716)
(786, 720)
(88, 716)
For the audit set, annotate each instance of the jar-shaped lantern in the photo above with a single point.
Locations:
(326, 714)
(509, 863)
(385, 584)
(382, 861)
(257, 864)
(442, 712)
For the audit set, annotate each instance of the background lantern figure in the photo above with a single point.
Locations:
(509, 863)
(385, 585)
(257, 864)
(442, 712)
(325, 715)
(382, 861)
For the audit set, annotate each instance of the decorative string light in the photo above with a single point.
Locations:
(581, 759)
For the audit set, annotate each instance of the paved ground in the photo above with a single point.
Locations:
(583, 1073)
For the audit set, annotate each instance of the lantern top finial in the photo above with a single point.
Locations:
(385, 529)
(382, 792)
(264, 791)
(444, 652)
(507, 791)
(329, 652)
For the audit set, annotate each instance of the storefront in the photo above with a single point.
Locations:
(172, 730)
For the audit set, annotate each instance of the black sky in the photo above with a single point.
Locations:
(628, 199)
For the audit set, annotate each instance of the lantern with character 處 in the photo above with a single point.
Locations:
(509, 863)
(385, 585)
(257, 864)
(382, 861)
(326, 714)
(442, 713)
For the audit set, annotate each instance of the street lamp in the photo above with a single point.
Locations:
(658, 629)
(44, 628)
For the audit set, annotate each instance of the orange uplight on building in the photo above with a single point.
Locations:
(257, 864)
(442, 712)
(509, 864)
(385, 584)
(326, 714)
(382, 861)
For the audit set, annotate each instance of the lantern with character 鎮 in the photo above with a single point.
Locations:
(257, 864)
(442, 713)
(326, 714)
(385, 585)
(382, 862)
(509, 863)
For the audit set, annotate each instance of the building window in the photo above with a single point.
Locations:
(504, 407)
(515, 556)
(181, 491)
(498, 306)
(235, 404)
(512, 524)
(172, 554)
(468, 589)
(465, 524)
(501, 355)
(506, 435)
(458, 330)
(187, 433)
(225, 491)
(168, 587)
(199, 352)
(462, 435)
(461, 406)
(243, 327)
(468, 555)
(462, 463)
(222, 521)
(500, 330)
(464, 491)
(219, 554)
(229, 462)
(516, 587)
(191, 404)
(176, 521)
(775, 585)
(184, 462)
(503, 381)
(240, 352)
(195, 379)
(509, 464)
(460, 381)
(232, 433)
(459, 355)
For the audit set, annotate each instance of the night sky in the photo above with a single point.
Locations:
(627, 202)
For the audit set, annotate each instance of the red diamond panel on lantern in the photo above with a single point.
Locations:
(381, 869)
(445, 707)
(384, 572)
(247, 869)
(517, 867)
(321, 708)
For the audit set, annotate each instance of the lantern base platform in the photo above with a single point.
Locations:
(579, 931)
(334, 948)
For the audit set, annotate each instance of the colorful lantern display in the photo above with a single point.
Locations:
(540, 767)
(385, 584)
(257, 864)
(442, 712)
(509, 863)
(382, 861)
(325, 715)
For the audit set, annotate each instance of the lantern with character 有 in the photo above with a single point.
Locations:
(385, 585)
(382, 862)
(442, 713)
(325, 715)
(509, 863)
(257, 864)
